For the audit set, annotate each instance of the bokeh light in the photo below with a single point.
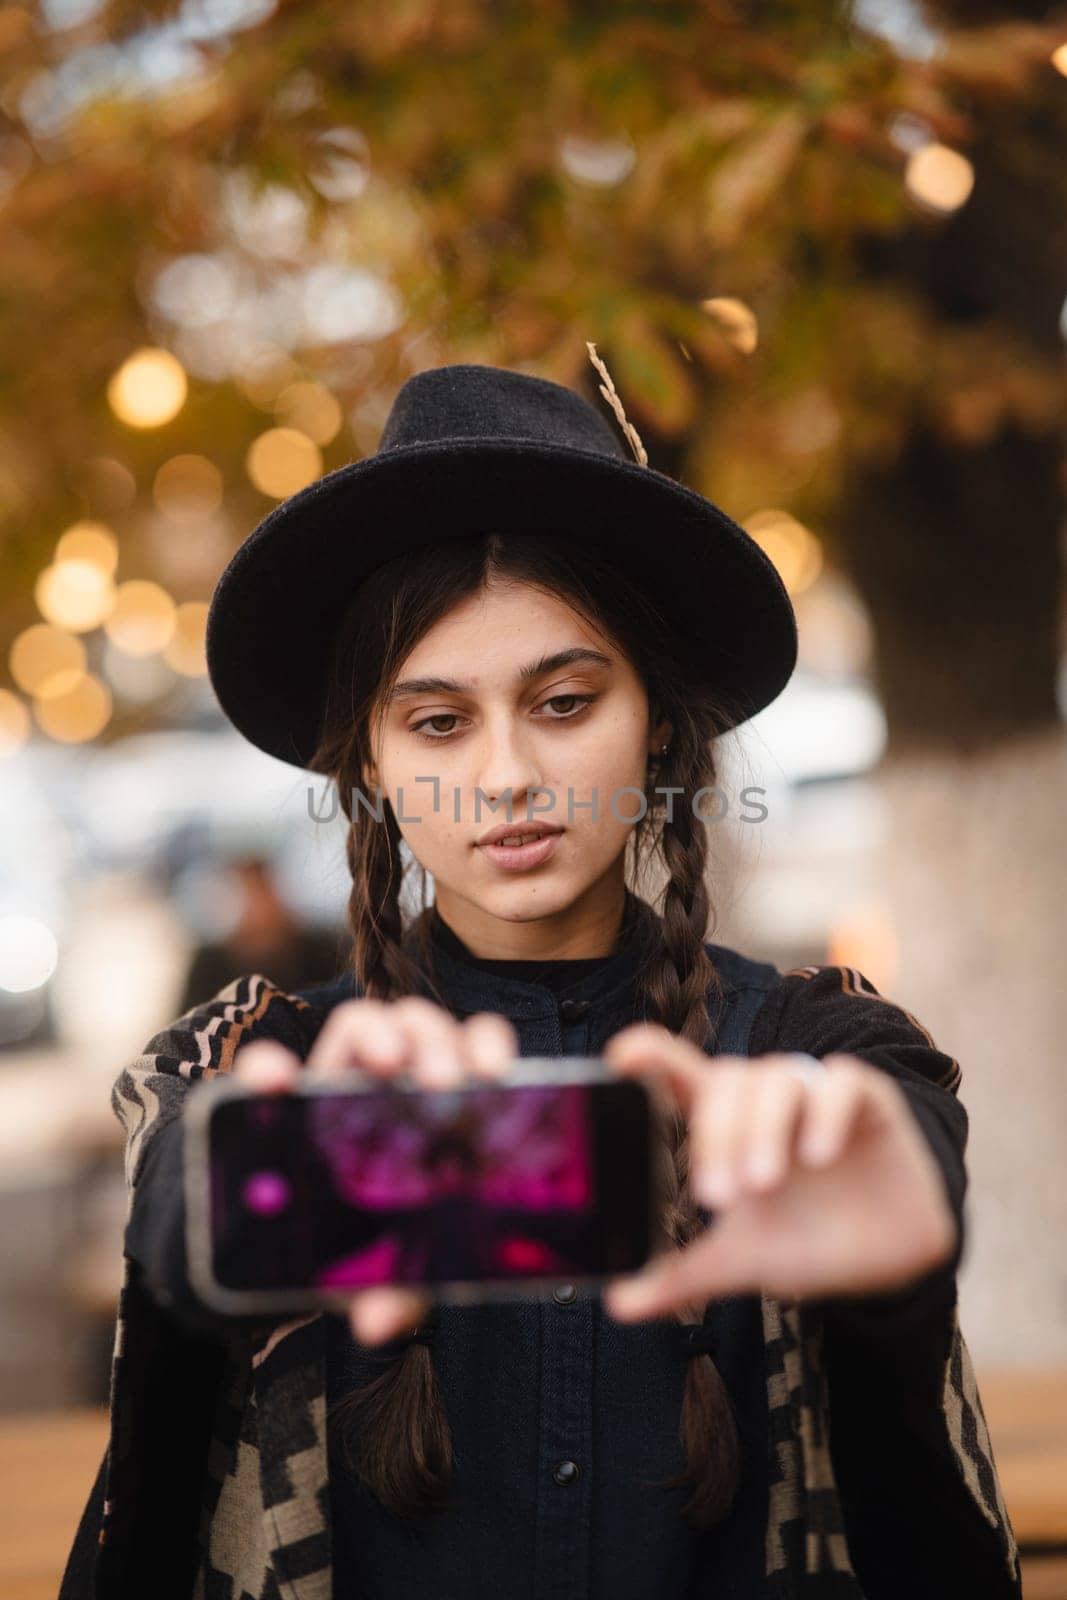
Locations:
(736, 319)
(188, 487)
(794, 549)
(42, 658)
(149, 389)
(89, 541)
(310, 408)
(864, 937)
(141, 621)
(77, 715)
(74, 594)
(939, 177)
(282, 461)
(28, 953)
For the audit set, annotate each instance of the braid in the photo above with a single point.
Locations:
(680, 973)
(373, 856)
(403, 1451)
(676, 984)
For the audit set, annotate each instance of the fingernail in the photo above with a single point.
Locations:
(623, 1300)
(369, 1328)
(383, 1042)
(489, 1055)
(714, 1185)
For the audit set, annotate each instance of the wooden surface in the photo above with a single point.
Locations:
(48, 1463)
(1027, 1417)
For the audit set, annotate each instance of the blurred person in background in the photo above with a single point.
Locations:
(266, 937)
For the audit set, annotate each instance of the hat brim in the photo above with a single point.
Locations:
(280, 600)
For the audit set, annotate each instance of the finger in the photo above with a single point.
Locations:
(716, 1128)
(773, 1112)
(489, 1044)
(359, 1033)
(389, 1037)
(831, 1106)
(383, 1313)
(723, 1260)
(434, 1036)
(266, 1067)
(651, 1048)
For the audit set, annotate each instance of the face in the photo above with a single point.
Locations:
(482, 704)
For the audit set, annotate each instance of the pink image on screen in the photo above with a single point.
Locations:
(528, 1149)
(526, 1256)
(266, 1193)
(376, 1264)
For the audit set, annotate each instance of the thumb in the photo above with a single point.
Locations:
(724, 1260)
(265, 1066)
(380, 1314)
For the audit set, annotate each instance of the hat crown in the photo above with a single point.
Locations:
(467, 400)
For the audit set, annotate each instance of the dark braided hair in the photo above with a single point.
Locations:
(401, 1450)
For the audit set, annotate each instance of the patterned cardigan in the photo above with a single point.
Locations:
(217, 1456)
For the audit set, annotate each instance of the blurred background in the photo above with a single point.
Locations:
(822, 250)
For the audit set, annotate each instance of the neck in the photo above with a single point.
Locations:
(589, 927)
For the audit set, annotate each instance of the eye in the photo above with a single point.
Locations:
(434, 738)
(580, 702)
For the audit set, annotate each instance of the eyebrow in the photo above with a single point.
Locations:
(534, 669)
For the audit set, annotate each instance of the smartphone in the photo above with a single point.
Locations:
(485, 1191)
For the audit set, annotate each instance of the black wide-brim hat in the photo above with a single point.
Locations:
(465, 449)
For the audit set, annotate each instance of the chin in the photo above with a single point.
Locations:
(532, 901)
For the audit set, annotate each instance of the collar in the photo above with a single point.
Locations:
(472, 988)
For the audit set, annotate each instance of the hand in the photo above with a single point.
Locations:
(383, 1038)
(821, 1187)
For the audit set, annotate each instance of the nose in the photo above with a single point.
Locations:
(506, 767)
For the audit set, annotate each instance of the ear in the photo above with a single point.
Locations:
(660, 735)
(370, 777)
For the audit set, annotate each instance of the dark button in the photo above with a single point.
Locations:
(564, 1293)
(573, 1010)
(566, 1472)
(698, 1337)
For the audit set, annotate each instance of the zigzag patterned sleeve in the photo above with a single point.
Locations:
(824, 1010)
(148, 1098)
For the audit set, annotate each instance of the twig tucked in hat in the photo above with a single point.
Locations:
(610, 393)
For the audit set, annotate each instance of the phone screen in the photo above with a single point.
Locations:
(344, 1189)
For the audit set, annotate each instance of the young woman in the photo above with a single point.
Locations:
(504, 630)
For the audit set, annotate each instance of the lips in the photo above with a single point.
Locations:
(521, 857)
(518, 830)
